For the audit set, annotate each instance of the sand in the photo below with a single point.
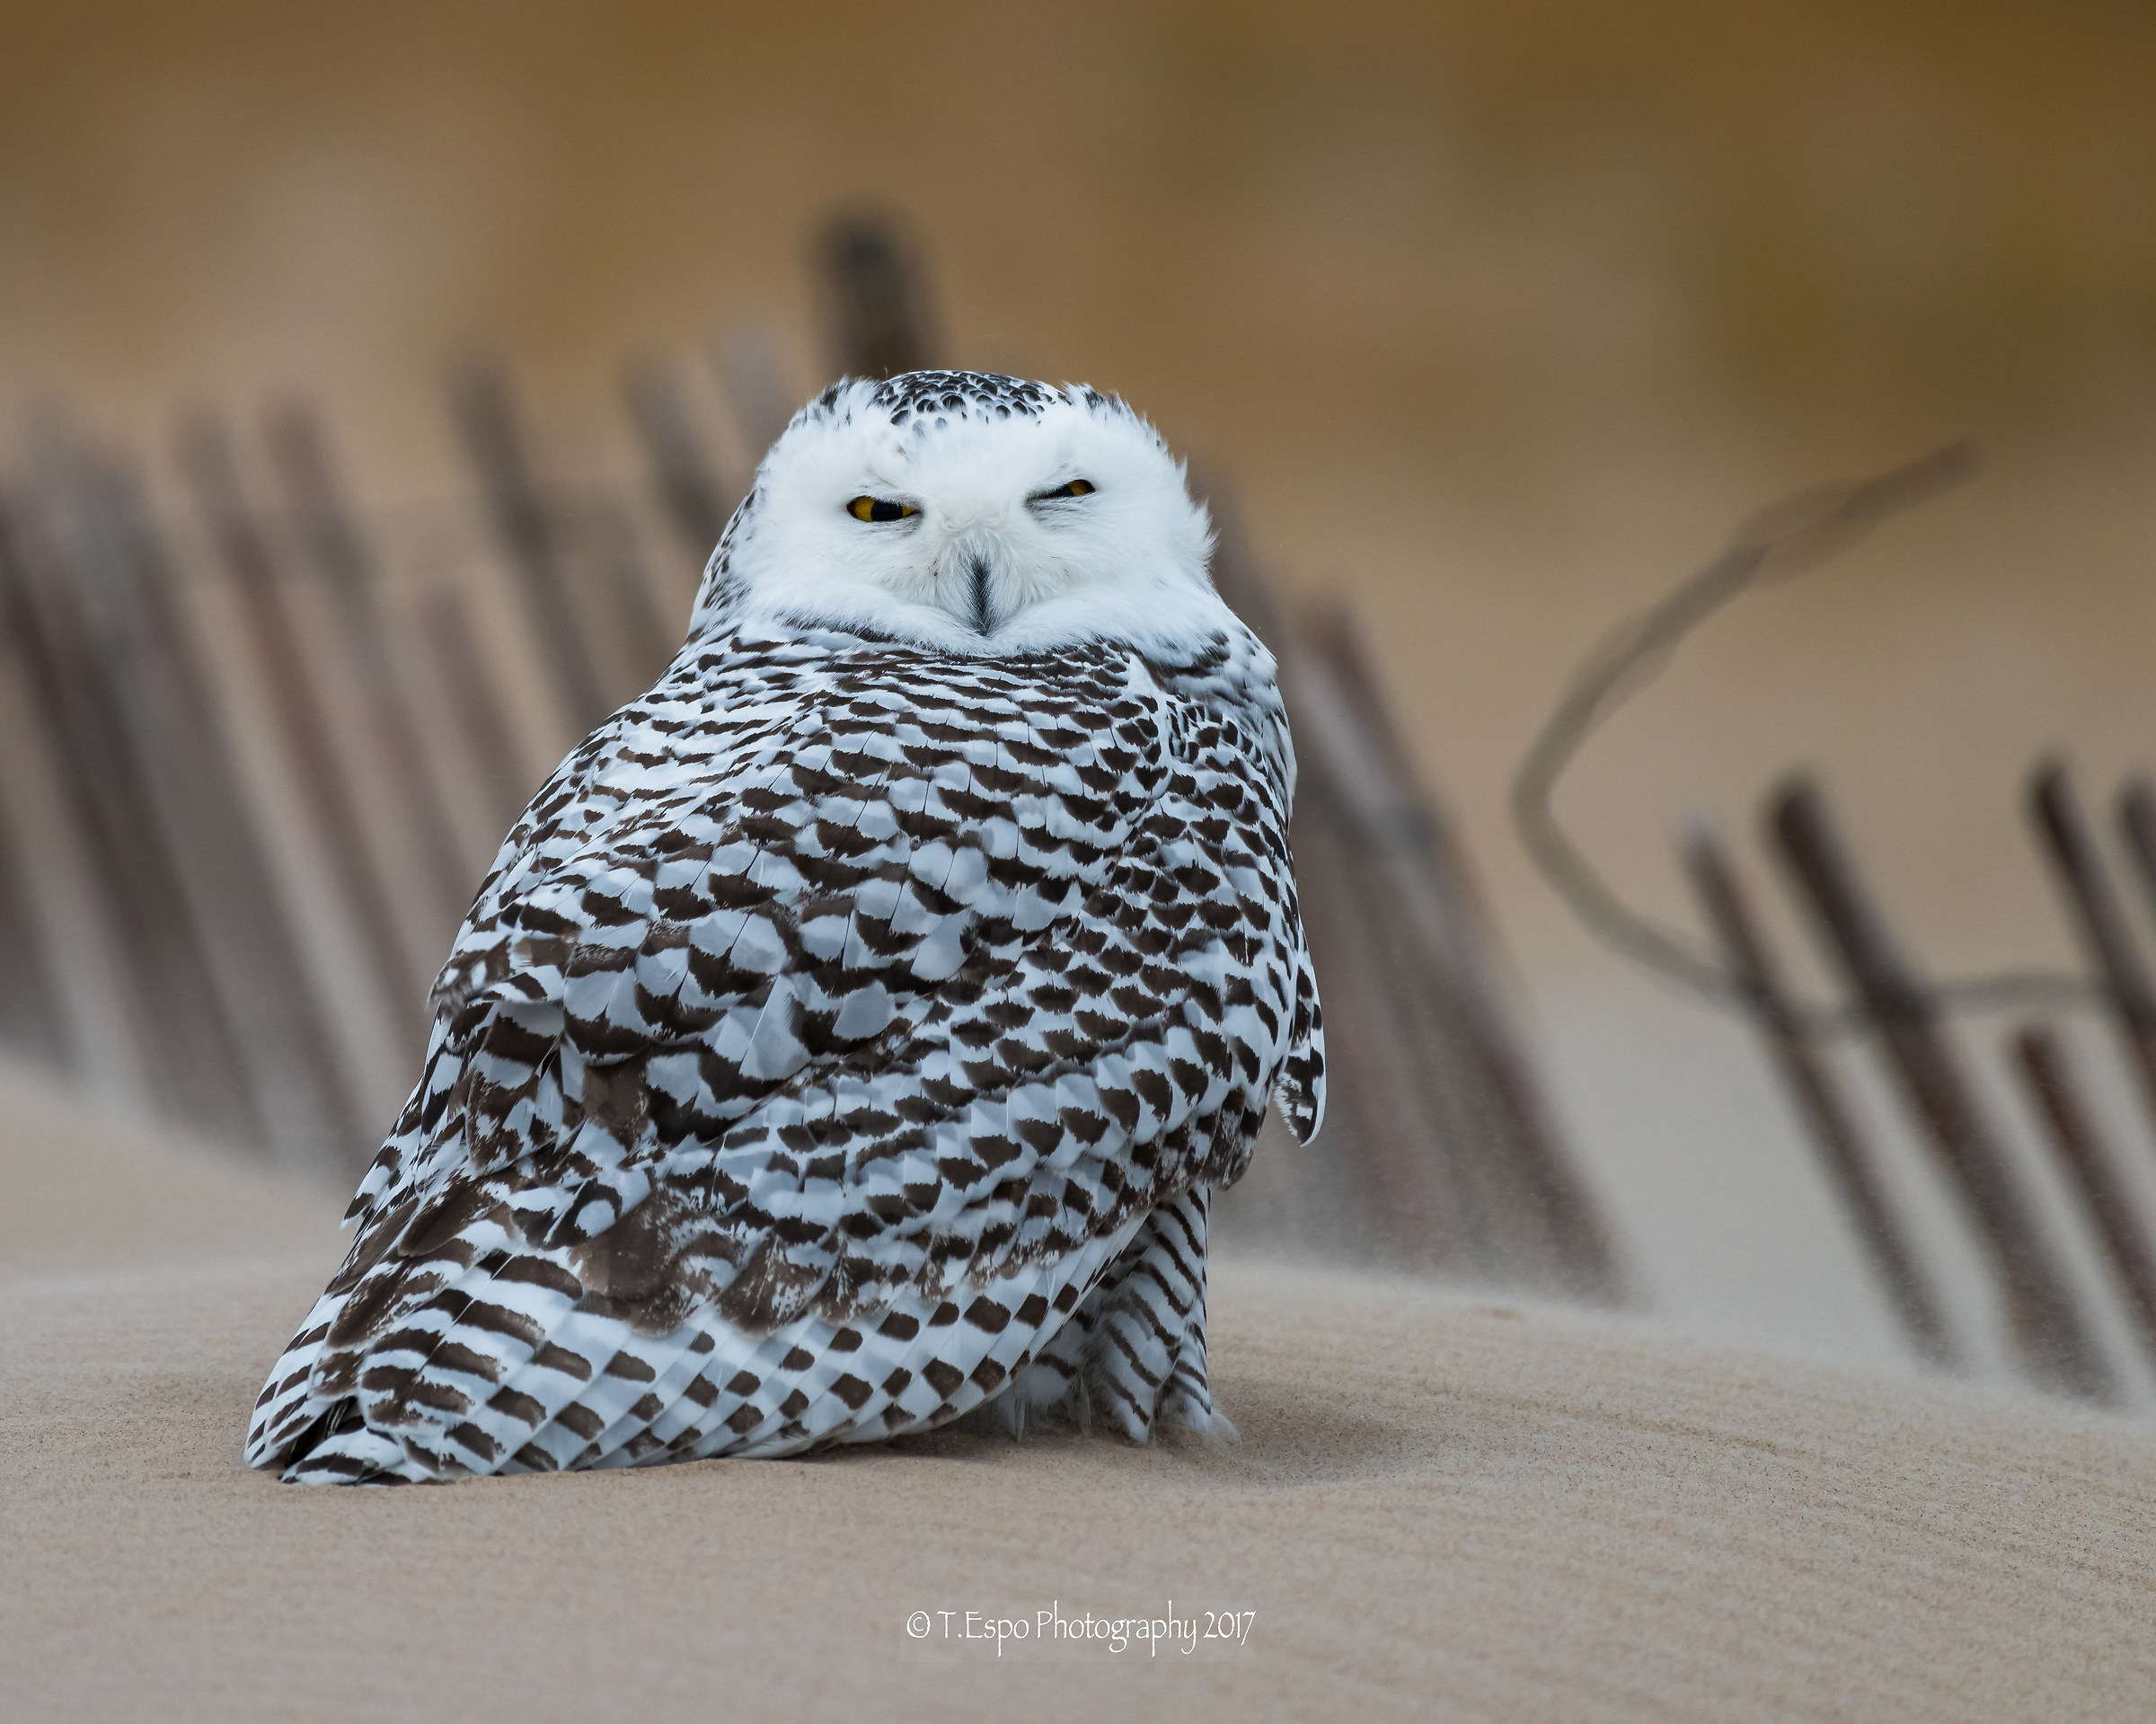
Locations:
(1442, 1505)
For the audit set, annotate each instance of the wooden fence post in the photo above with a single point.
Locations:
(2050, 1334)
(2135, 812)
(875, 311)
(1424, 913)
(2098, 917)
(299, 457)
(697, 501)
(485, 411)
(179, 1020)
(2047, 1076)
(206, 459)
(459, 666)
(1845, 1153)
(615, 575)
(33, 1020)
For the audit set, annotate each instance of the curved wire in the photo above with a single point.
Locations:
(1788, 539)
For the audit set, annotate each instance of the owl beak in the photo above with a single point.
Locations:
(969, 583)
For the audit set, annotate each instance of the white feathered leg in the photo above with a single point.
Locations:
(1134, 1353)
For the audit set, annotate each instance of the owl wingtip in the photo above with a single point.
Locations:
(1299, 1097)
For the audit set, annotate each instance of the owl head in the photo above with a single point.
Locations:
(968, 513)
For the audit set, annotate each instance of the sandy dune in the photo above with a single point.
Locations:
(1441, 1506)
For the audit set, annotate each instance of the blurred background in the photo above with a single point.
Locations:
(1485, 325)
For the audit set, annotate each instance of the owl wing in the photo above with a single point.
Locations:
(942, 976)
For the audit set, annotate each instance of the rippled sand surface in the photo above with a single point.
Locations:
(1441, 1506)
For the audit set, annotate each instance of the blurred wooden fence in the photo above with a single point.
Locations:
(2060, 1283)
(2050, 1307)
(259, 754)
(262, 739)
(2050, 1319)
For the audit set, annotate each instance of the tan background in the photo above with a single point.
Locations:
(1496, 319)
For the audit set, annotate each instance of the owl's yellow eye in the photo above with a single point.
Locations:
(1077, 487)
(879, 509)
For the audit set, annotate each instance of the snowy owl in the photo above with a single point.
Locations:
(851, 1033)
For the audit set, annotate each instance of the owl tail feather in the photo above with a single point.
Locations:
(1300, 1091)
(289, 1406)
(338, 1448)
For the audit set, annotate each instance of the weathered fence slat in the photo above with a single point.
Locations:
(93, 768)
(613, 575)
(182, 1035)
(1432, 1105)
(697, 501)
(167, 699)
(749, 369)
(299, 457)
(2136, 815)
(460, 668)
(208, 464)
(875, 311)
(1390, 1121)
(2049, 1332)
(1847, 1155)
(1501, 1140)
(2047, 1075)
(2098, 917)
(32, 1021)
(485, 411)
(299, 1082)
(1400, 1192)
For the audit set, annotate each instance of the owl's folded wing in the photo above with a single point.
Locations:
(909, 1018)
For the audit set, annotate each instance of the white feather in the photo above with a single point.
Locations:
(1126, 562)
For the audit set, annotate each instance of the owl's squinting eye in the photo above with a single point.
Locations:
(879, 509)
(1077, 487)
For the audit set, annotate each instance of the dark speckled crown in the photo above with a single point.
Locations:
(936, 397)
